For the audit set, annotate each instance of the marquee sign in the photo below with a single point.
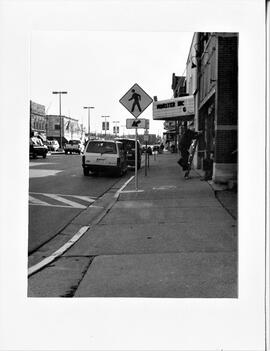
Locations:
(179, 108)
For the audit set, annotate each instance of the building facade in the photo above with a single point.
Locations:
(37, 120)
(212, 78)
(68, 128)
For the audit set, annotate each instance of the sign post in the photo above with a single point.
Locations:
(136, 100)
(136, 160)
(146, 139)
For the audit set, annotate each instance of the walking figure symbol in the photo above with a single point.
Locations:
(136, 98)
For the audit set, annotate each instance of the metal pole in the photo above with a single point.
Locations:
(136, 161)
(88, 108)
(105, 123)
(60, 114)
(145, 167)
(30, 132)
(88, 122)
(60, 121)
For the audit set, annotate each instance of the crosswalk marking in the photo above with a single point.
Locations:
(86, 198)
(66, 201)
(34, 199)
(37, 201)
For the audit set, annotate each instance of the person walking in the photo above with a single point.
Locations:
(136, 100)
(184, 146)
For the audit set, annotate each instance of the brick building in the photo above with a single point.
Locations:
(212, 78)
(37, 120)
(70, 128)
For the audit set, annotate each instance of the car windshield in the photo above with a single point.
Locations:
(74, 142)
(101, 147)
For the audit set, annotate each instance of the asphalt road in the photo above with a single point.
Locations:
(58, 192)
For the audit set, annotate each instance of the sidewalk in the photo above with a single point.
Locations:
(172, 238)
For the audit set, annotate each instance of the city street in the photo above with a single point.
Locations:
(170, 238)
(131, 217)
(58, 192)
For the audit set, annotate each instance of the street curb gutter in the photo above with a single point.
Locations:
(37, 267)
(57, 253)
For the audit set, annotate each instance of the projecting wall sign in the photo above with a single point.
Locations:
(182, 107)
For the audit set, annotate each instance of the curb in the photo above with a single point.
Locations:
(102, 206)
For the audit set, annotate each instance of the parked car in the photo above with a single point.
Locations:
(129, 146)
(104, 156)
(37, 148)
(74, 146)
(48, 144)
(54, 145)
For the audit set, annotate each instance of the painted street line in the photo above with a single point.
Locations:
(50, 205)
(61, 198)
(132, 191)
(66, 201)
(59, 252)
(33, 164)
(85, 198)
(165, 187)
(42, 173)
(35, 201)
(122, 187)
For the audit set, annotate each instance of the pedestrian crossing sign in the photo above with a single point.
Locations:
(136, 100)
(137, 123)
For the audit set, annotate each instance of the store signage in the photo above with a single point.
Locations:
(178, 108)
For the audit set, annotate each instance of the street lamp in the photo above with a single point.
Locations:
(105, 123)
(88, 108)
(60, 93)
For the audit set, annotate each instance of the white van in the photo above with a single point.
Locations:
(104, 156)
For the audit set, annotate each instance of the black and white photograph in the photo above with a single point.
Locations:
(135, 196)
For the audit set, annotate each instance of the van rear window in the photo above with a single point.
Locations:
(128, 144)
(101, 147)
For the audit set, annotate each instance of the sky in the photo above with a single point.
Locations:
(98, 68)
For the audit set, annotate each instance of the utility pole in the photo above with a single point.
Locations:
(60, 116)
(88, 108)
(105, 123)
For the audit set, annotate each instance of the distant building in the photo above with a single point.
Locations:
(70, 128)
(37, 120)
